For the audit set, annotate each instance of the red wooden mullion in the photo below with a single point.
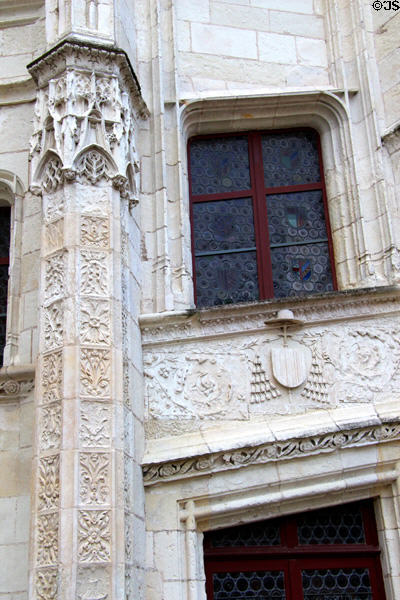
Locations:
(264, 266)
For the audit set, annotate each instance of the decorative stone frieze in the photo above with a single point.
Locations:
(264, 453)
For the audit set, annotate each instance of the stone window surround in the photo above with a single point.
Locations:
(11, 194)
(216, 510)
(323, 111)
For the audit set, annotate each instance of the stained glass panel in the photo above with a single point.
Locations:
(290, 158)
(254, 585)
(219, 165)
(226, 278)
(4, 232)
(298, 270)
(297, 217)
(223, 225)
(336, 584)
(264, 533)
(336, 525)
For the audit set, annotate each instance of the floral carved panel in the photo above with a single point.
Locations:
(95, 372)
(53, 236)
(95, 231)
(95, 322)
(94, 543)
(46, 584)
(55, 276)
(52, 377)
(94, 273)
(47, 539)
(95, 426)
(53, 206)
(50, 427)
(53, 325)
(94, 478)
(49, 483)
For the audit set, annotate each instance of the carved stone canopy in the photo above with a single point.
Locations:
(84, 55)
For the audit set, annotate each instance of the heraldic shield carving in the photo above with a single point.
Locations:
(290, 366)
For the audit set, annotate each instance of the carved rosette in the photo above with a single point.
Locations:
(82, 156)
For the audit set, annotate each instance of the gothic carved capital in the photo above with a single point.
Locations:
(88, 104)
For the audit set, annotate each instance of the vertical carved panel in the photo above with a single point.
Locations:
(94, 536)
(94, 478)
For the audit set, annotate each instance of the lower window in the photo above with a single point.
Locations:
(329, 554)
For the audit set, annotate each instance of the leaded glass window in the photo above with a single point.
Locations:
(326, 554)
(4, 266)
(260, 227)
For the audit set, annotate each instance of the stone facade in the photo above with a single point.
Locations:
(130, 421)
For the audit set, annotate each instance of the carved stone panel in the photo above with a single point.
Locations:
(49, 483)
(50, 427)
(95, 426)
(47, 539)
(95, 322)
(93, 583)
(55, 276)
(94, 273)
(52, 377)
(53, 325)
(95, 372)
(94, 478)
(95, 232)
(46, 585)
(94, 544)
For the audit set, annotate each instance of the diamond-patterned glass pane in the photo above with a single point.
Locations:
(219, 165)
(223, 225)
(336, 584)
(296, 218)
(299, 270)
(336, 525)
(263, 533)
(290, 158)
(253, 585)
(226, 278)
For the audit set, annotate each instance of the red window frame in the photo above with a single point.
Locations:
(291, 557)
(258, 193)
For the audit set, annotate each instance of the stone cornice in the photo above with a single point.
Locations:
(294, 447)
(16, 381)
(164, 328)
(83, 54)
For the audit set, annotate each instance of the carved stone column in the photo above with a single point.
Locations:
(83, 164)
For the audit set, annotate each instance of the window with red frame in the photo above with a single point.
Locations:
(4, 266)
(260, 225)
(328, 554)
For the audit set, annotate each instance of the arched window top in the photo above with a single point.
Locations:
(260, 225)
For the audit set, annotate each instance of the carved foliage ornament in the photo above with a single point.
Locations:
(94, 536)
(53, 325)
(271, 452)
(94, 478)
(46, 584)
(95, 424)
(92, 167)
(50, 427)
(49, 482)
(94, 273)
(52, 377)
(55, 275)
(95, 325)
(12, 387)
(95, 231)
(95, 372)
(47, 539)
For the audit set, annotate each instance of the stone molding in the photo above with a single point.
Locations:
(391, 139)
(72, 52)
(16, 382)
(164, 328)
(278, 450)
